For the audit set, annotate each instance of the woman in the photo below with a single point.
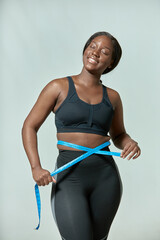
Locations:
(86, 196)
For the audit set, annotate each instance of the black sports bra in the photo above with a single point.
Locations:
(75, 115)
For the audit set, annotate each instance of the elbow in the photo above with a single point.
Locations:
(23, 128)
(26, 127)
(23, 133)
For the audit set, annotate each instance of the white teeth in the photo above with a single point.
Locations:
(92, 60)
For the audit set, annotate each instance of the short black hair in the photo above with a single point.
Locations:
(117, 50)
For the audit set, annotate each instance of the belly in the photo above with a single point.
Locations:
(84, 139)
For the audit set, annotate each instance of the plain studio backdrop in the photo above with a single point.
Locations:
(43, 40)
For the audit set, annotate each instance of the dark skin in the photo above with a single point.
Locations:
(97, 57)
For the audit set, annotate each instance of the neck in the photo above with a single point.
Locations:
(88, 79)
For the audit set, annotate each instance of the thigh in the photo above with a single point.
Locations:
(104, 200)
(70, 208)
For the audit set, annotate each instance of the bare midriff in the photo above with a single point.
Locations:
(89, 140)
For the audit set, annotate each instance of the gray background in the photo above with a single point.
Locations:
(43, 40)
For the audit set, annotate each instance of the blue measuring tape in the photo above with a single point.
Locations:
(89, 151)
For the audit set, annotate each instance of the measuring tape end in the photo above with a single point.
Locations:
(37, 227)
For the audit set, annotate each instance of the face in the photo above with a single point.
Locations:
(98, 55)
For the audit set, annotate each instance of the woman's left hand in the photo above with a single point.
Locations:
(131, 148)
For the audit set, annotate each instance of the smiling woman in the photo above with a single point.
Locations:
(112, 48)
(99, 54)
(86, 196)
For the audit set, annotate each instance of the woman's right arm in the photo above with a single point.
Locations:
(41, 109)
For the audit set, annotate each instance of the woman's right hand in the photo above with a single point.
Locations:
(42, 177)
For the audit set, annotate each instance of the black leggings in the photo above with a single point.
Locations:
(86, 196)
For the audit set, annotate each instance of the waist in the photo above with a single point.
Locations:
(84, 139)
(78, 150)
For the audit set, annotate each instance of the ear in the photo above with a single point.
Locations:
(111, 64)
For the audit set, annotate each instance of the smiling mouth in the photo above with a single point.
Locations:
(91, 60)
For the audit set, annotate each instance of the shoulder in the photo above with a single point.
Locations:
(56, 85)
(114, 96)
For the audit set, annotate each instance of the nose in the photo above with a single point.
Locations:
(95, 52)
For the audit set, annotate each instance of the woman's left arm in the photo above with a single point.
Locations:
(118, 133)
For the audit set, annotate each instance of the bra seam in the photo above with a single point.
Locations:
(83, 128)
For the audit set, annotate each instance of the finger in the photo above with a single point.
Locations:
(40, 183)
(127, 151)
(54, 180)
(137, 152)
(126, 148)
(137, 155)
(43, 180)
(50, 179)
(46, 181)
(46, 178)
(132, 154)
(43, 183)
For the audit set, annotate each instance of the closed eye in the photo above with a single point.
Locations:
(104, 52)
(92, 46)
